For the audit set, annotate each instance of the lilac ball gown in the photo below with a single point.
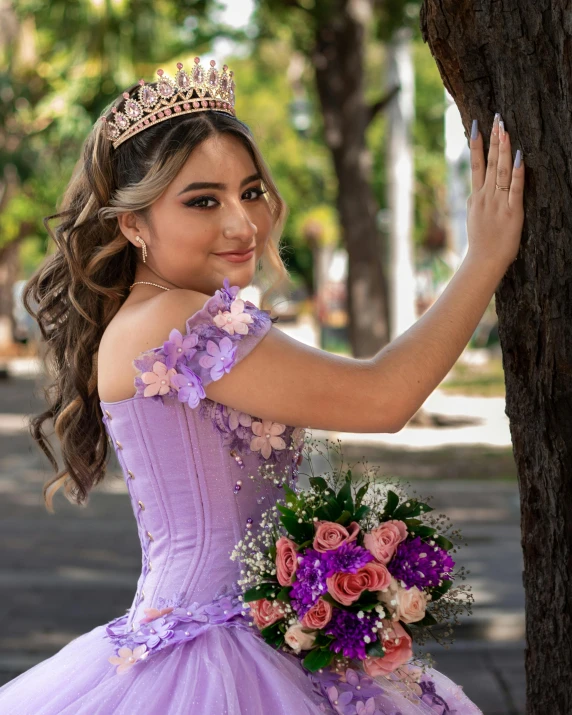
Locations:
(187, 644)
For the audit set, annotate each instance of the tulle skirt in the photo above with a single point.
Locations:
(225, 671)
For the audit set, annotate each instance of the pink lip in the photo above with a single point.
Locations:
(237, 257)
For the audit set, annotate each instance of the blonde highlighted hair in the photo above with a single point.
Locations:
(80, 287)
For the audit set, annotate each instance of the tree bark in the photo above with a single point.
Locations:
(339, 62)
(514, 58)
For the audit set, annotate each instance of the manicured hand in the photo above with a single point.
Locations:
(494, 216)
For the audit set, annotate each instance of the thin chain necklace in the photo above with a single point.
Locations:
(148, 283)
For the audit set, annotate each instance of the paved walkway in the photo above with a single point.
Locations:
(63, 574)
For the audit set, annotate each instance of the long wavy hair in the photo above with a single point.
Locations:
(80, 287)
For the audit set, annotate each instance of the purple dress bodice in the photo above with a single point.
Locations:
(192, 472)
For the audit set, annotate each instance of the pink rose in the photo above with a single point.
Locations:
(407, 604)
(330, 535)
(286, 561)
(398, 650)
(318, 615)
(298, 639)
(348, 587)
(384, 540)
(264, 613)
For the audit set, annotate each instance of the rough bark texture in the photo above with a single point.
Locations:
(515, 57)
(338, 59)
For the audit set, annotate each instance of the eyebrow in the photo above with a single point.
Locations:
(212, 185)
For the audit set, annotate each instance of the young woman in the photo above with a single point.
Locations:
(170, 212)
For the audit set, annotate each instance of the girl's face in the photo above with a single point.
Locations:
(212, 222)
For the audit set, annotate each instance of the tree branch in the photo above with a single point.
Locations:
(377, 107)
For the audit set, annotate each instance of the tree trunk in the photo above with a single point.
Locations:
(339, 63)
(514, 58)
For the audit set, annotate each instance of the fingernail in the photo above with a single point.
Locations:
(502, 133)
(517, 159)
(496, 121)
(475, 129)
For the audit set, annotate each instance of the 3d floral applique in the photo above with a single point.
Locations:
(126, 658)
(179, 347)
(190, 387)
(158, 381)
(267, 437)
(237, 419)
(154, 632)
(152, 613)
(220, 358)
(235, 320)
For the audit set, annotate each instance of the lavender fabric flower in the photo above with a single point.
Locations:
(179, 347)
(220, 357)
(347, 558)
(416, 563)
(190, 386)
(229, 292)
(349, 631)
(153, 633)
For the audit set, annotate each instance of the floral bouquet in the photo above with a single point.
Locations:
(358, 572)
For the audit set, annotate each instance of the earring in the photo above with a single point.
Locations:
(143, 247)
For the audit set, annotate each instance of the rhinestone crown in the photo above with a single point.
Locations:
(198, 91)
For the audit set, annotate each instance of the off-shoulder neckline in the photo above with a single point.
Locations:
(188, 324)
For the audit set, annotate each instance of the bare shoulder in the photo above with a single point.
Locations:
(138, 327)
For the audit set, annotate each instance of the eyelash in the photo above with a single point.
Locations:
(199, 199)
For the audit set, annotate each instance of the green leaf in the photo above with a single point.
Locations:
(391, 504)
(444, 543)
(272, 553)
(263, 590)
(318, 658)
(286, 511)
(407, 629)
(299, 532)
(403, 511)
(441, 590)
(273, 634)
(361, 512)
(374, 650)
(344, 518)
(289, 495)
(284, 594)
(361, 493)
(344, 497)
(429, 620)
(319, 483)
(424, 531)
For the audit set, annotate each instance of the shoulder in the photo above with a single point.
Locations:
(138, 328)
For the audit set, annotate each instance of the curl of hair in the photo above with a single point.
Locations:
(80, 287)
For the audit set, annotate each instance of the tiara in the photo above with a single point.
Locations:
(201, 90)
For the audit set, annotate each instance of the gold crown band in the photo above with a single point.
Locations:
(201, 90)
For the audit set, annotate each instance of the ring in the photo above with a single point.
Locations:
(503, 188)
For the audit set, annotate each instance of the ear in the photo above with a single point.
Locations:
(130, 226)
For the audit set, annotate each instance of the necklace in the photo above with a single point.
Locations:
(148, 283)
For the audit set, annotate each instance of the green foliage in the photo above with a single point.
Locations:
(83, 54)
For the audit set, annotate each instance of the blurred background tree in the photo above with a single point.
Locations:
(64, 62)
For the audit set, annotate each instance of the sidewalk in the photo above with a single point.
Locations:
(66, 573)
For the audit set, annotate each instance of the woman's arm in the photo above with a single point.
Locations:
(289, 383)
(285, 381)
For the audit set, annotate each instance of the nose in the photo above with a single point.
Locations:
(238, 226)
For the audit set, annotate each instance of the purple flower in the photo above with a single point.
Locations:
(178, 347)
(153, 633)
(310, 581)
(190, 386)
(349, 631)
(416, 563)
(228, 291)
(220, 357)
(347, 558)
